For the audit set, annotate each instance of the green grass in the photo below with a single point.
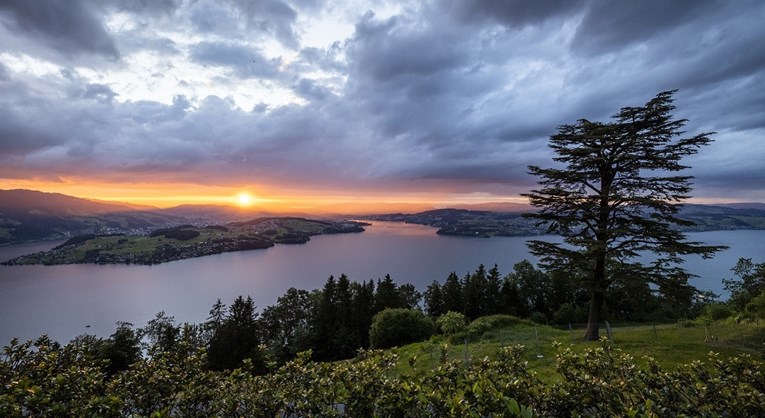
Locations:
(670, 344)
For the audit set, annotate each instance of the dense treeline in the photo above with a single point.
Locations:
(553, 297)
(334, 322)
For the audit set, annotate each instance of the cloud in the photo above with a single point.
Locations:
(20, 134)
(609, 26)
(99, 92)
(310, 90)
(453, 96)
(4, 73)
(209, 17)
(68, 27)
(515, 13)
(148, 7)
(274, 17)
(244, 60)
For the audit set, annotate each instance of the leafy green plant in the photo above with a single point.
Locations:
(451, 323)
(393, 327)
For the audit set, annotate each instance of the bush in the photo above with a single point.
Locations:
(717, 311)
(686, 323)
(538, 317)
(394, 327)
(568, 313)
(756, 307)
(487, 323)
(451, 323)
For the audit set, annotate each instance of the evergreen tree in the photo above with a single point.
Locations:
(511, 299)
(237, 338)
(217, 313)
(387, 295)
(324, 321)
(363, 295)
(452, 292)
(434, 300)
(409, 297)
(616, 196)
(492, 295)
(344, 340)
(474, 289)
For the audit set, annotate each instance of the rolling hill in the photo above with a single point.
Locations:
(29, 215)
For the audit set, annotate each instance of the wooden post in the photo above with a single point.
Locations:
(655, 334)
(571, 331)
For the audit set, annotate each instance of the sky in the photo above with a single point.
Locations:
(342, 105)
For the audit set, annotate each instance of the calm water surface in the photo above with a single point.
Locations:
(65, 301)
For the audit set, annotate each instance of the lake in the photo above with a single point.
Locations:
(65, 301)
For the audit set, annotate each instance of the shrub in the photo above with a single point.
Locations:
(538, 317)
(43, 378)
(756, 307)
(451, 323)
(717, 311)
(568, 313)
(486, 323)
(394, 327)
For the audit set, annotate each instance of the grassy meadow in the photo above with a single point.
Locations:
(670, 345)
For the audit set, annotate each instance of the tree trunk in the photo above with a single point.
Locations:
(592, 333)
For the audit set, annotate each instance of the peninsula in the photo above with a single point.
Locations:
(186, 241)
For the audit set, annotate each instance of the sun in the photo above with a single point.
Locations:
(244, 199)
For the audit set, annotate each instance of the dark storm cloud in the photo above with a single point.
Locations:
(69, 27)
(148, 7)
(431, 90)
(270, 16)
(510, 12)
(389, 49)
(243, 59)
(20, 134)
(610, 25)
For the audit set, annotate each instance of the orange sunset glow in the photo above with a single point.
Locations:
(262, 199)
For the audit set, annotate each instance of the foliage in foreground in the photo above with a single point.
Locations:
(42, 378)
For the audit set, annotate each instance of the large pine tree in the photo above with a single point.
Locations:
(615, 195)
